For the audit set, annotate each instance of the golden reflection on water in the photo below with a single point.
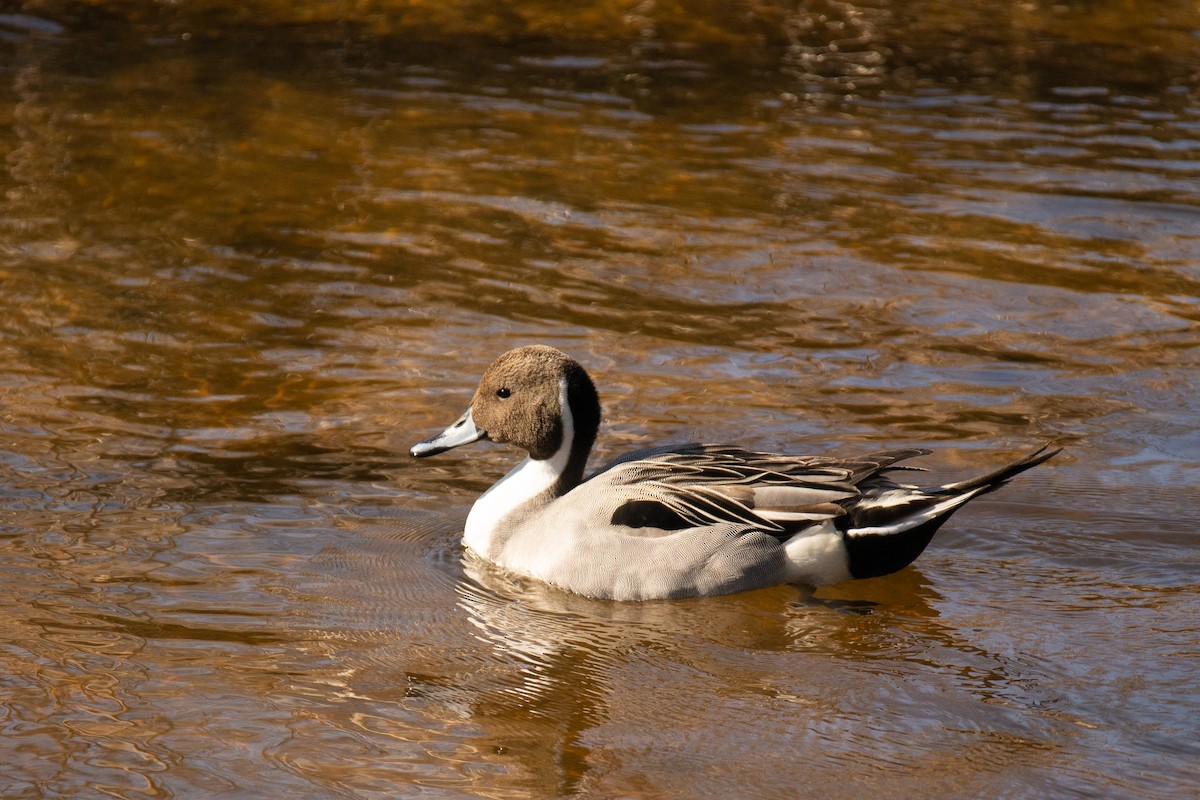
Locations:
(246, 263)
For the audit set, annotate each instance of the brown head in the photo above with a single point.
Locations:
(520, 402)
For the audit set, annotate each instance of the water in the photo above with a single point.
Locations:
(245, 263)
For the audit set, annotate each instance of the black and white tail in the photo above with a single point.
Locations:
(886, 528)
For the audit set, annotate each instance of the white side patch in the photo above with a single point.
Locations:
(817, 557)
(909, 522)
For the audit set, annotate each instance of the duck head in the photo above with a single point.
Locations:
(536, 398)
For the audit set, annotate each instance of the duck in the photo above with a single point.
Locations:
(685, 520)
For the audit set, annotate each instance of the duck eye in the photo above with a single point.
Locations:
(503, 393)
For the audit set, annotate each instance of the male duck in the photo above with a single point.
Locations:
(684, 520)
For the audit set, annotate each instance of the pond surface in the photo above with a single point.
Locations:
(245, 262)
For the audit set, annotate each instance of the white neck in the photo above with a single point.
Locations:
(524, 482)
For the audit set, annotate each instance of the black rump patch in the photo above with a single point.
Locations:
(872, 555)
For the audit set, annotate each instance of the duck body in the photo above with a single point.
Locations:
(681, 520)
(580, 542)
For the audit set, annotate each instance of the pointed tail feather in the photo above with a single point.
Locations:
(897, 531)
(996, 479)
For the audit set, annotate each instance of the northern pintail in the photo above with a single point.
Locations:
(678, 521)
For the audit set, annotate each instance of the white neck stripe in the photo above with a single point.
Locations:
(526, 481)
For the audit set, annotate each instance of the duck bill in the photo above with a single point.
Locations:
(463, 431)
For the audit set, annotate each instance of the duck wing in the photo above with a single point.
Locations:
(686, 486)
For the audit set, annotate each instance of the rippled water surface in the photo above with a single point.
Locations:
(249, 255)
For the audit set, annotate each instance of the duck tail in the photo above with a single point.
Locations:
(890, 525)
(996, 479)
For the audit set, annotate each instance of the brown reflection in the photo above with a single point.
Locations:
(250, 252)
(850, 42)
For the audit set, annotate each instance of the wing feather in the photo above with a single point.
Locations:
(700, 485)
